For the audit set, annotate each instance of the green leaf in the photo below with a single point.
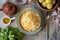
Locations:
(11, 33)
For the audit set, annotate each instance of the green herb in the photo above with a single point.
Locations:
(11, 33)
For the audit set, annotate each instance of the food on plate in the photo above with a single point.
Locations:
(9, 8)
(30, 20)
(6, 20)
(48, 3)
(11, 33)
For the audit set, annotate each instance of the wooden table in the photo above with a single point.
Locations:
(54, 30)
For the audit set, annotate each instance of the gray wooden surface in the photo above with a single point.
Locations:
(54, 30)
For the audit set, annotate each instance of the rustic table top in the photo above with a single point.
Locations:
(54, 30)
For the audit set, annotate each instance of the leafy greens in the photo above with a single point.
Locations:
(11, 33)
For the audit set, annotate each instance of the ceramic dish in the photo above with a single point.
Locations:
(6, 19)
(45, 9)
(22, 30)
(20, 1)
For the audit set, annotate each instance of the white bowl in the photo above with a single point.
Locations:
(23, 2)
(5, 17)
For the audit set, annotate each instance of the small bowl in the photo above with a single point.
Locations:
(21, 2)
(5, 23)
(24, 31)
(45, 9)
